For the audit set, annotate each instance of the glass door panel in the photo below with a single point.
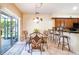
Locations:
(14, 30)
(5, 42)
(8, 32)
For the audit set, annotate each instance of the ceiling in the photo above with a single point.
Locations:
(49, 8)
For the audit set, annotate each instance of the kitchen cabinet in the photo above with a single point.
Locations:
(66, 22)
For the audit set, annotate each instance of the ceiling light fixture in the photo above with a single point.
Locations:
(37, 18)
(75, 8)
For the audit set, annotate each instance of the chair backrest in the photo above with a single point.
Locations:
(61, 30)
(55, 30)
(36, 36)
(25, 33)
(45, 33)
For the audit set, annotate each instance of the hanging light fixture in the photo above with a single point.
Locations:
(37, 19)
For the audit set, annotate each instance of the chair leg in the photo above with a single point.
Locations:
(47, 46)
(41, 49)
(57, 39)
(47, 43)
(59, 42)
(68, 44)
(26, 45)
(63, 44)
(53, 37)
(31, 51)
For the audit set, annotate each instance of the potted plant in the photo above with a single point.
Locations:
(36, 30)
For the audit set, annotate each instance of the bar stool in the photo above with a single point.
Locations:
(50, 34)
(64, 42)
(54, 29)
(56, 35)
(64, 38)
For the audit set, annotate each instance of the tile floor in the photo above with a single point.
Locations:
(20, 49)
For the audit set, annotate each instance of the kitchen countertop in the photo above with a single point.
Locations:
(72, 31)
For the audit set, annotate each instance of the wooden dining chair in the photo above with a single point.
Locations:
(24, 34)
(36, 41)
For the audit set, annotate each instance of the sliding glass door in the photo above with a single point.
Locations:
(8, 32)
(14, 30)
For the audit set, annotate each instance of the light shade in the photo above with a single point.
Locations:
(36, 20)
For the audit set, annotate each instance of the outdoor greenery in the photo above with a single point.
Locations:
(8, 25)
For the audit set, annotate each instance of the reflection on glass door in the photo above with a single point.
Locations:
(14, 30)
(8, 32)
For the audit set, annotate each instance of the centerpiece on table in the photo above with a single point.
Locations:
(36, 30)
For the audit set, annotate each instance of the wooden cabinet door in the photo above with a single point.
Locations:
(57, 22)
(66, 22)
(74, 20)
(69, 23)
(78, 20)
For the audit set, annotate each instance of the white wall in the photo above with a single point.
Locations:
(29, 25)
